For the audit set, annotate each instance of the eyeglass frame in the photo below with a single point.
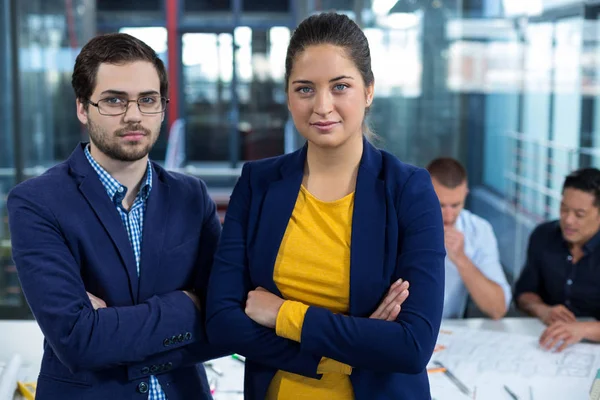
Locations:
(97, 105)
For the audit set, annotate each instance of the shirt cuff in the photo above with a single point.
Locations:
(327, 365)
(290, 320)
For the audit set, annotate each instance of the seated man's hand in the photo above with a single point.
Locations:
(390, 306)
(557, 313)
(97, 302)
(454, 241)
(563, 333)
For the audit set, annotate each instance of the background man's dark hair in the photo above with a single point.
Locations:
(447, 171)
(587, 180)
(112, 48)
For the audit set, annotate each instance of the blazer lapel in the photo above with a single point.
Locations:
(276, 211)
(155, 226)
(94, 192)
(91, 188)
(367, 249)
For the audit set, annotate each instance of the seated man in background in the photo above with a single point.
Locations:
(472, 263)
(561, 278)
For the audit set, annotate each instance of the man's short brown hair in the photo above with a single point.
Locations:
(447, 171)
(112, 48)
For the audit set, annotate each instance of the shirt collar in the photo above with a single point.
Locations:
(117, 191)
(588, 247)
(460, 221)
(592, 243)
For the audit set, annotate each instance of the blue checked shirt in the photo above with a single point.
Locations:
(134, 224)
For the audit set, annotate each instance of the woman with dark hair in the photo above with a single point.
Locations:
(319, 245)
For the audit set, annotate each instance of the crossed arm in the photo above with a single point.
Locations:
(287, 317)
(82, 336)
(402, 345)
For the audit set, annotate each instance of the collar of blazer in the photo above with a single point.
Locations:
(368, 255)
(155, 220)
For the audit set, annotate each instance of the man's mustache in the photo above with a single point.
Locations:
(132, 128)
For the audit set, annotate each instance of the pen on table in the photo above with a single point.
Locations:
(213, 386)
(439, 347)
(511, 393)
(530, 393)
(454, 379)
(214, 369)
(239, 358)
(434, 370)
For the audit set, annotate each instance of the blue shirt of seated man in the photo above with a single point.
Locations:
(472, 263)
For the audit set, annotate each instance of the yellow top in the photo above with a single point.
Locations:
(313, 268)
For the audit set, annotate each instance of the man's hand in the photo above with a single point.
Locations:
(563, 333)
(557, 313)
(455, 243)
(390, 307)
(263, 306)
(97, 302)
(194, 298)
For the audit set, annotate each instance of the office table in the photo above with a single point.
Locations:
(523, 326)
(25, 338)
(232, 379)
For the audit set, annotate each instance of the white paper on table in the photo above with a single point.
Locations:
(442, 388)
(495, 390)
(525, 391)
(487, 360)
(8, 378)
(230, 385)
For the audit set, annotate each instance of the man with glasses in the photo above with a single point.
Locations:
(113, 252)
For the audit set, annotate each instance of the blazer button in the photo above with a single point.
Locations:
(143, 387)
(167, 342)
(188, 336)
(173, 339)
(154, 369)
(145, 371)
(168, 366)
(180, 338)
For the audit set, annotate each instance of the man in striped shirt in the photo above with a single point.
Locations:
(113, 252)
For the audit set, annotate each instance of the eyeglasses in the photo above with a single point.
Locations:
(112, 106)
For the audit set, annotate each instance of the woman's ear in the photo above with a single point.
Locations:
(369, 93)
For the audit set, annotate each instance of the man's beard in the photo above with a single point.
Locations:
(120, 150)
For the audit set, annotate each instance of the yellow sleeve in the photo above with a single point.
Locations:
(289, 325)
(328, 365)
(290, 320)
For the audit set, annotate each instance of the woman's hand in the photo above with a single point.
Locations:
(97, 302)
(391, 305)
(263, 306)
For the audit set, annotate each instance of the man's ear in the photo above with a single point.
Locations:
(82, 112)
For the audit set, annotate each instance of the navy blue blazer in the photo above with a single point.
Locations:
(397, 232)
(68, 237)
